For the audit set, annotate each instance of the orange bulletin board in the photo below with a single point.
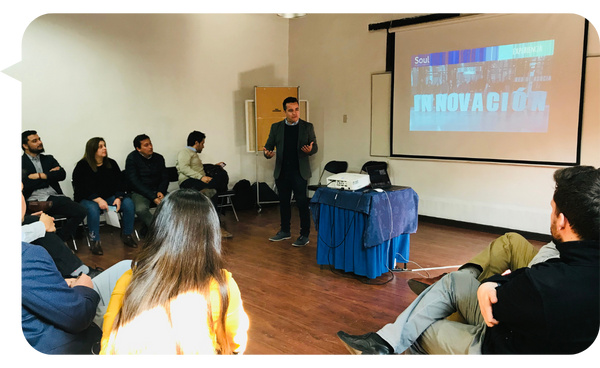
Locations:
(269, 109)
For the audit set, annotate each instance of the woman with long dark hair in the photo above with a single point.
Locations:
(98, 184)
(177, 298)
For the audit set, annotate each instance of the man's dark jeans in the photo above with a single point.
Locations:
(288, 182)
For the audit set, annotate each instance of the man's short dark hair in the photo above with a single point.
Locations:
(194, 137)
(25, 137)
(137, 141)
(289, 100)
(577, 197)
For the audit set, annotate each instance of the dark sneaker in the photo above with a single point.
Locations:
(94, 271)
(301, 241)
(368, 344)
(418, 285)
(280, 236)
(129, 241)
(226, 234)
(96, 248)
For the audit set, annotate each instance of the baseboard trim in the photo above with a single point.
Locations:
(484, 228)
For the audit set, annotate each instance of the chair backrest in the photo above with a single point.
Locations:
(336, 167)
(371, 163)
(125, 181)
(172, 172)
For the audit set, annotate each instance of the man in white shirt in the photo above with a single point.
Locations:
(191, 170)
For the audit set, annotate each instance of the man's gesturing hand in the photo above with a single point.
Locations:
(267, 153)
(307, 148)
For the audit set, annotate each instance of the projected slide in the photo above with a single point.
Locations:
(491, 89)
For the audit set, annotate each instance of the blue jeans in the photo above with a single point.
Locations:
(93, 216)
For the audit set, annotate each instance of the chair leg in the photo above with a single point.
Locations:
(86, 234)
(230, 202)
(74, 244)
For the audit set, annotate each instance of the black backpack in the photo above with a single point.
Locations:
(243, 199)
(266, 194)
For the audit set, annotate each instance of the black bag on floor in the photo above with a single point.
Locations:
(243, 199)
(266, 194)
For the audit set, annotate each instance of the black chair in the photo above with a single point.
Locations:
(172, 172)
(59, 220)
(224, 197)
(372, 163)
(225, 201)
(334, 167)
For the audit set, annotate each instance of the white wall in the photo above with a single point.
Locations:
(332, 58)
(119, 75)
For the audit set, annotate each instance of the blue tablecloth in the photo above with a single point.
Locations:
(356, 232)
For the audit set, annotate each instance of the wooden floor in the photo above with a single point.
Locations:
(295, 306)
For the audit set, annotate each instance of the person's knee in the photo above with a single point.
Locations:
(127, 201)
(91, 208)
(513, 238)
(141, 211)
(457, 278)
(79, 210)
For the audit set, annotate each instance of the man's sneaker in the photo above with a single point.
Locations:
(94, 271)
(367, 344)
(280, 236)
(129, 241)
(301, 241)
(418, 285)
(226, 234)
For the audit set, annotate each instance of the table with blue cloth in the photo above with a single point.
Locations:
(358, 233)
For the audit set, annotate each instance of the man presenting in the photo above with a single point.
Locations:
(295, 140)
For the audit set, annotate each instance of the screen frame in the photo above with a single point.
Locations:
(390, 67)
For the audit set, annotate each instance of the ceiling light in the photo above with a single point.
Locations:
(291, 15)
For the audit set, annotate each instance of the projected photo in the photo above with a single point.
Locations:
(490, 89)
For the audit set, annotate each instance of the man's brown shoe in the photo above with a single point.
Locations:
(226, 234)
(419, 285)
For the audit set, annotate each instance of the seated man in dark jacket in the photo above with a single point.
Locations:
(552, 307)
(147, 178)
(41, 176)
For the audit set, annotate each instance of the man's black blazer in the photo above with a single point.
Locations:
(48, 162)
(306, 134)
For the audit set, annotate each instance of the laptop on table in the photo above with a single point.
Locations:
(380, 178)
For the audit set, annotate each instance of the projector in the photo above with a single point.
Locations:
(348, 181)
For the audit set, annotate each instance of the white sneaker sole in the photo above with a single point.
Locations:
(300, 245)
(280, 239)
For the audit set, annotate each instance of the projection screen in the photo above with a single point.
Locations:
(501, 87)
